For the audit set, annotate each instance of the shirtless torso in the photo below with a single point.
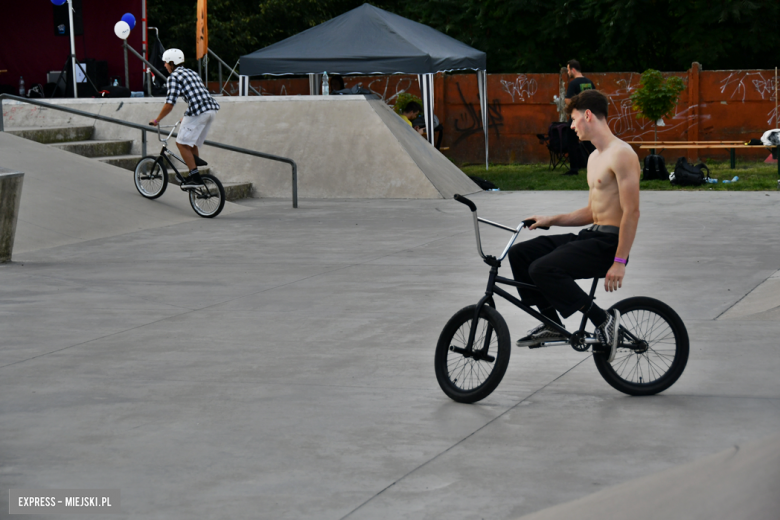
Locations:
(613, 199)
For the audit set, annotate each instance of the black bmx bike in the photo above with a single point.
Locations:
(151, 180)
(472, 353)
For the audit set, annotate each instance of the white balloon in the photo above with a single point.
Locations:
(122, 30)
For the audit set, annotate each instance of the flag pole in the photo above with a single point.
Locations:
(72, 49)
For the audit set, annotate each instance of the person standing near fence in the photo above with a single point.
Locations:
(578, 150)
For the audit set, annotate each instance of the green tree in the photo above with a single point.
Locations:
(656, 96)
(517, 35)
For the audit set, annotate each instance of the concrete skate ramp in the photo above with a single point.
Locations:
(67, 198)
(760, 304)
(738, 484)
(345, 146)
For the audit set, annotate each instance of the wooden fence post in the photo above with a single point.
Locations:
(693, 109)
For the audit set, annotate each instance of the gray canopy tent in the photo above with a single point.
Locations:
(369, 40)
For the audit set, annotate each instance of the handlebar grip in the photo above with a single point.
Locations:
(467, 202)
(530, 222)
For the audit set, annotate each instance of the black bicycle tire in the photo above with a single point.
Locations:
(206, 177)
(623, 358)
(499, 366)
(157, 160)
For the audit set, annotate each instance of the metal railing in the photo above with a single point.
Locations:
(222, 86)
(146, 128)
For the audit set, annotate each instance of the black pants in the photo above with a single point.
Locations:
(579, 151)
(552, 263)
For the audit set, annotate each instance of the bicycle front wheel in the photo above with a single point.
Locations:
(209, 199)
(468, 377)
(652, 351)
(151, 177)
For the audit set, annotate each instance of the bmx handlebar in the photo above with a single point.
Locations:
(515, 231)
(159, 126)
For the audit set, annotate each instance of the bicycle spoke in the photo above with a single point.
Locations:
(652, 364)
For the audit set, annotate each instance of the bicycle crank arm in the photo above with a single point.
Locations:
(478, 355)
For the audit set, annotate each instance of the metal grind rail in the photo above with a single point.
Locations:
(146, 128)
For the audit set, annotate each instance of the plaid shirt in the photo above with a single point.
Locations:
(186, 83)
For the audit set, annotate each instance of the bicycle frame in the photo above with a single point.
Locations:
(579, 336)
(165, 152)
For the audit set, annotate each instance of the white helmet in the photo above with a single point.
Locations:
(174, 55)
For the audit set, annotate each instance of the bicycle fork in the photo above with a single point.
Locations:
(482, 353)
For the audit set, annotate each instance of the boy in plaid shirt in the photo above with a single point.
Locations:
(201, 109)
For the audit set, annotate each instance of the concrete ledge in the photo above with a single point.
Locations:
(10, 200)
(50, 135)
(126, 162)
(97, 148)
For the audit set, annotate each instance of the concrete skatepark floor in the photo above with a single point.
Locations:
(277, 363)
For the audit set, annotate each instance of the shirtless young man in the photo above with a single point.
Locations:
(552, 263)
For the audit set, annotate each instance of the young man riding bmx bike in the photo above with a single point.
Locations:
(553, 263)
(201, 109)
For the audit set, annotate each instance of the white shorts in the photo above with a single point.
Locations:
(194, 129)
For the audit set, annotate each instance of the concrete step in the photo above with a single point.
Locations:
(233, 190)
(54, 134)
(126, 162)
(96, 148)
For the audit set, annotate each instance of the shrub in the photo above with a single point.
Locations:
(404, 99)
(656, 96)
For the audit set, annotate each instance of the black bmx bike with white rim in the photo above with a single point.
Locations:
(473, 350)
(151, 180)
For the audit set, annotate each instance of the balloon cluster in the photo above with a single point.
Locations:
(124, 26)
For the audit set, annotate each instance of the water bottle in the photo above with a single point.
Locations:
(325, 84)
(22, 91)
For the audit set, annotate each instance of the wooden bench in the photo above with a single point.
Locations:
(731, 146)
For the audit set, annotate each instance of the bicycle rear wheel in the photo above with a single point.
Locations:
(209, 199)
(151, 177)
(469, 377)
(652, 351)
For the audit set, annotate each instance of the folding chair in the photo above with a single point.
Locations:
(556, 141)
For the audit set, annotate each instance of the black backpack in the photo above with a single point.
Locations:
(655, 169)
(483, 183)
(686, 174)
(559, 137)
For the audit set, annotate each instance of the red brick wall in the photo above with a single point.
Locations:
(716, 105)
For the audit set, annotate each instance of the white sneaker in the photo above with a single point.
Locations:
(540, 334)
(608, 334)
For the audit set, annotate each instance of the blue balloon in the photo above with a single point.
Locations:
(58, 2)
(129, 19)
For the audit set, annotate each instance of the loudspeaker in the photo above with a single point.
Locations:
(61, 23)
(97, 72)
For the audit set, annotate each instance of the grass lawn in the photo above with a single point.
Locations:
(753, 176)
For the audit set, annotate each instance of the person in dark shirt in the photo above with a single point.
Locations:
(578, 83)
(578, 151)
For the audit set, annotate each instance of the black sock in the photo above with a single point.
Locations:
(549, 312)
(194, 171)
(596, 315)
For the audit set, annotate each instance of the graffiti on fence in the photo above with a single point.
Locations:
(401, 85)
(470, 122)
(521, 88)
(737, 83)
(624, 121)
